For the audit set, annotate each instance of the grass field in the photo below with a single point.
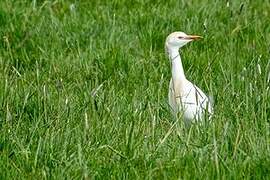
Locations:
(83, 90)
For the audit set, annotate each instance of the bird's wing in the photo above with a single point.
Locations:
(206, 102)
(194, 95)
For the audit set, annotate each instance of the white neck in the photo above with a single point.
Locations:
(177, 67)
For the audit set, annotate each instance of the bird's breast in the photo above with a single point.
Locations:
(178, 87)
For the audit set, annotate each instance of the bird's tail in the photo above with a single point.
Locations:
(211, 106)
(211, 100)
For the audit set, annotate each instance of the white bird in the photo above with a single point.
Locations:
(184, 96)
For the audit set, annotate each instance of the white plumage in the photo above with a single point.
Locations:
(184, 96)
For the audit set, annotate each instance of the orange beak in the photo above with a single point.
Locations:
(193, 37)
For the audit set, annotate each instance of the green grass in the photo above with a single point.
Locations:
(83, 92)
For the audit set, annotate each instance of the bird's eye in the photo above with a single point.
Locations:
(180, 37)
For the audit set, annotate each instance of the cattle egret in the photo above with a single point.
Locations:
(184, 96)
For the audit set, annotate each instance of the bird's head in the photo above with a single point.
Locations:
(179, 39)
